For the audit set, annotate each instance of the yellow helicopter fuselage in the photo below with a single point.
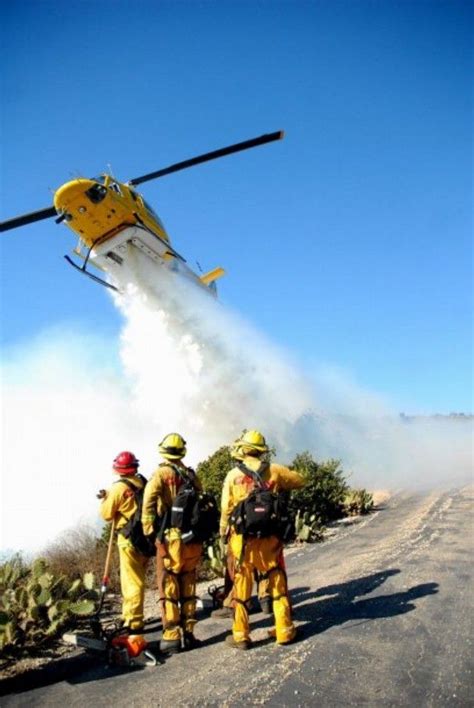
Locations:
(97, 208)
(111, 220)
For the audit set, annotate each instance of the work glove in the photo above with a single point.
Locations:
(101, 494)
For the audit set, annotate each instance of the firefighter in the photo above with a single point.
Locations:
(228, 604)
(119, 503)
(179, 559)
(250, 554)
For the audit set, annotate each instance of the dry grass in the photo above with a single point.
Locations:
(380, 497)
(80, 550)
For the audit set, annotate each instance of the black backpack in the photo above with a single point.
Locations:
(193, 512)
(133, 529)
(262, 513)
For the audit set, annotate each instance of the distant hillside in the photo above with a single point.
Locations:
(437, 416)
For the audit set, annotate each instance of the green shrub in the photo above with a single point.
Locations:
(36, 605)
(213, 471)
(323, 495)
(358, 501)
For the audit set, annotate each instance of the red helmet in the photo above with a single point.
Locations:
(125, 463)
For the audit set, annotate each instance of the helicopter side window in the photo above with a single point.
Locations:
(115, 188)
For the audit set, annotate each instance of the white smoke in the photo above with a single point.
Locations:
(186, 364)
(216, 375)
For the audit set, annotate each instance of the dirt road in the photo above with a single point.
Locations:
(384, 612)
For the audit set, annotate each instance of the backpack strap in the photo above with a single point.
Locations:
(256, 476)
(187, 474)
(185, 477)
(128, 483)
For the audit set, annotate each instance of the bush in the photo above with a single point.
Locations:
(36, 605)
(358, 501)
(323, 495)
(81, 549)
(213, 471)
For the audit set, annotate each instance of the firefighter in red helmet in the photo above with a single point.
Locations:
(119, 503)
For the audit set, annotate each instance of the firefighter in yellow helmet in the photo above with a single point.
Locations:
(180, 558)
(228, 603)
(253, 553)
(119, 503)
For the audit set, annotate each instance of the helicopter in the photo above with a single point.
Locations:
(112, 220)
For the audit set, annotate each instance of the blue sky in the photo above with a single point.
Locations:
(348, 243)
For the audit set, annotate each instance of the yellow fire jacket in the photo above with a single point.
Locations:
(119, 502)
(237, 485)
(160, 492)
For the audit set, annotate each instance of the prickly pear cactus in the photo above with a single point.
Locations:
(217, 561)
(358, 501)
(36, 605)
(308, 527)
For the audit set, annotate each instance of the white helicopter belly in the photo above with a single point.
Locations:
(118, 250)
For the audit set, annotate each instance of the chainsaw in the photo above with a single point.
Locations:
(119, 649)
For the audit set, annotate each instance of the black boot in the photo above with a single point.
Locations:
(244, 644)
(170, 646)
(190, 641)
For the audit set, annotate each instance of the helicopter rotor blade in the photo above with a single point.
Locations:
(254, 142)
(28, 218)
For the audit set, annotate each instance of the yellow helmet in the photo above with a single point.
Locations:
(173, 446)
(251, 442)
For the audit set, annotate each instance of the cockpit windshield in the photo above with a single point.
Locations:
(153, 213)
(100, 179)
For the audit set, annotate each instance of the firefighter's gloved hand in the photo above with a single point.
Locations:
(101, 494)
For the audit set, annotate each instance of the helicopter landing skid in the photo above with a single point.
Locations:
(83, 269)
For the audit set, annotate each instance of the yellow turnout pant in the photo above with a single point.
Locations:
(262, 555)
(180, 561)
(132, 583)
(262, 583)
